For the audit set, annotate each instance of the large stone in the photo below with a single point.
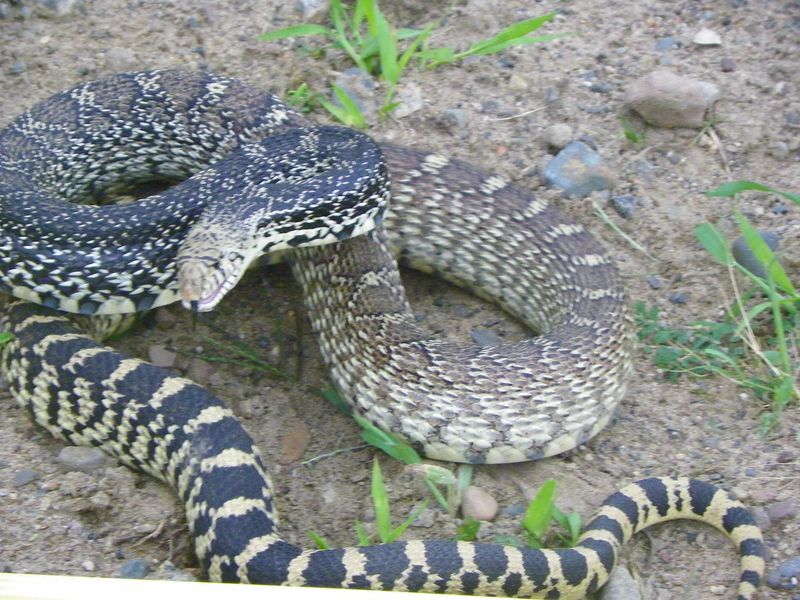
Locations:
(666, 99)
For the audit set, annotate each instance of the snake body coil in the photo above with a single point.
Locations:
(501, 403)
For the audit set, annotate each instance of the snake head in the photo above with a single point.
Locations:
(210, 262)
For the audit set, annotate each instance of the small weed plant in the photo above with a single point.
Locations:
(447, 487)
(378, 48)
(756, 345)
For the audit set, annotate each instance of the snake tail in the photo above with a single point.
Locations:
(177, 431)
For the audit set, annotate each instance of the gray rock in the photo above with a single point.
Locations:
(558, 135)
(782, 509)
(654, 282)
(426, 519)
(5, 10)
(578, 170)
(620, 586)
(744, 256)
(624, 205)
(666, 99)
(453, 119)
(136, 568)
(17, 68)
(6, 567)
(479, 504)
(409, 98)
(786, 576)
(169, 571)
(161, 357)
(778, 149)
(310, 9)
(727, 64)
(81, 458)
(679, 297)
(360, 87)
(120, 59)
(25, 476)
(485, 337)
(667, 43)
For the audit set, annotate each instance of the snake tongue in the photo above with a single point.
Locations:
(192, 284)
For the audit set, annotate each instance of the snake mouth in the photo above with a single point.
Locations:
(202, 287)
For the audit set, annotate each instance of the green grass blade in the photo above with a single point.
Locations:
(468, 530)
(387, 442)
(362, 535)
(348, 113)
(5, 337)
(511, 43)
(387, 44)
(539, 513)
(320, 541)
(712, 240)
(398, 531)
(735, 187)
(302, 30)
(380, 501)
(510, 33)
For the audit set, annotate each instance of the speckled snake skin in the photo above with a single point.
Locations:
(503, 403)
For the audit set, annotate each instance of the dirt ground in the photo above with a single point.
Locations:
(74, 523)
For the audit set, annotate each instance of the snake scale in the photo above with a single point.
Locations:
(248, 162)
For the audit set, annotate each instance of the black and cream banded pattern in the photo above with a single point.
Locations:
(176, 431)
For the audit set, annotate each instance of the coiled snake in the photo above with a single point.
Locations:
(502, 403)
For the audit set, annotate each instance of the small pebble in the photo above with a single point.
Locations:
(88, 565)
(558, 135)
(666, 99)
(727, 65)
(360, 87)
(161, 357)
(479, 504)
(485, 337)
(136, 568)
(654, 282)
(515, 510)
(782, 509)
(17, 68)
(294, 442)
(778, 149)
(578, 171)
(679, 297)
(707, 37)
(786, 576)
(25, 476)
(426, 519)
(81, 458)
(667, 43)
(744, 256)
(409, 99)
(5, 567)
(311, 9)
(624, 205)
(785, 456)
(453, 119)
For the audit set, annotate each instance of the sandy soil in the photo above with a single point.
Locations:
(92, 523)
